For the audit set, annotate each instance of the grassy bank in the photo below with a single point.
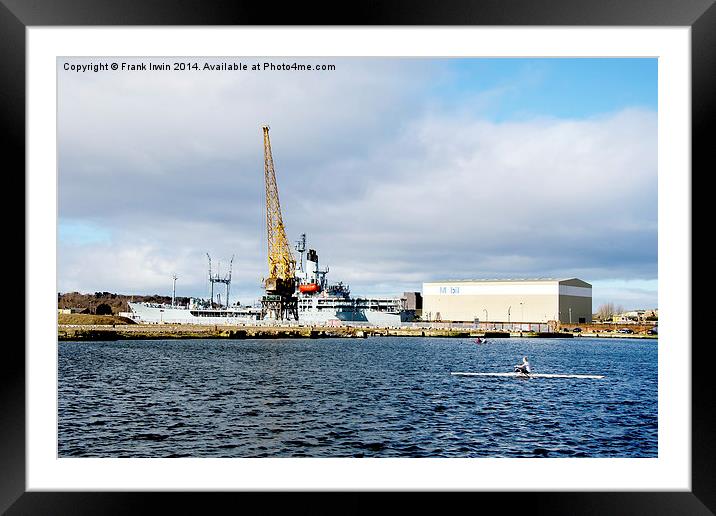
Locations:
(92, 320)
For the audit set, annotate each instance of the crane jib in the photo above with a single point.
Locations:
(280, 300)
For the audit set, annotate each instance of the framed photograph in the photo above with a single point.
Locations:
(306, 256)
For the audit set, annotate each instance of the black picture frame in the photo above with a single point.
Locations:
(17, 15)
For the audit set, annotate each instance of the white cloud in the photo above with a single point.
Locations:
(390, 190)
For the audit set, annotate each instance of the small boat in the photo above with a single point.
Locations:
(534, 375)
(307, 288)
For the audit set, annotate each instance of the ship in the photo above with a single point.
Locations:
(197, 311)
(319, 303)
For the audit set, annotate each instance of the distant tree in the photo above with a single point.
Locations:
(103, 309)
(606, 311)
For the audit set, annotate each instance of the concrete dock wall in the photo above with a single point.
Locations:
(170, 331)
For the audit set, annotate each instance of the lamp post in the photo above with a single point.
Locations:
(508, 314)
(522, 311)
(570, 315)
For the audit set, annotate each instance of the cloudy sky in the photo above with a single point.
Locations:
(398, 170)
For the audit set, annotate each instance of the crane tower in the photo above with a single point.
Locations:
(280, 301)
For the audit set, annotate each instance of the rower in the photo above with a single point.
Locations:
(524, 367)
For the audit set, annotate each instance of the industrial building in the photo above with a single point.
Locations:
(413, 301)
(510, 301)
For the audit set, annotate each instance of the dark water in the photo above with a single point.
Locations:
(378, 397)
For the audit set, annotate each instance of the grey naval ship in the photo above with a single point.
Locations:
(319, 303)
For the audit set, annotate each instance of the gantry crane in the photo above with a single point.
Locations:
(280, 301)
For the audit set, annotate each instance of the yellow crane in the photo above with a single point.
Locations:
(280, 301)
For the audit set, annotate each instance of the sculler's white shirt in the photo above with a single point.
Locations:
(526, 363)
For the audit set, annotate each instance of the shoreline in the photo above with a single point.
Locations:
(88, 332)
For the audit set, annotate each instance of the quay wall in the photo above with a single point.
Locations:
(189, 331)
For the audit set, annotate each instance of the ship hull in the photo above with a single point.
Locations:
(144, 313)
(371, 317)
(150, 314)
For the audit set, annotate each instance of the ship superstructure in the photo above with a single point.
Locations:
(198, 311)
(322, 302)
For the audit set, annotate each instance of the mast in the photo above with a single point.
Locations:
(218, 278)
(211, 282)
(174, 288)
(228, 280)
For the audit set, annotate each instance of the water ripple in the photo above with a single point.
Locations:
(380, 397)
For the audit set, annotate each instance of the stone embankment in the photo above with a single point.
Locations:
(120, 331)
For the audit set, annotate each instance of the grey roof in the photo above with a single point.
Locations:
(503, 280)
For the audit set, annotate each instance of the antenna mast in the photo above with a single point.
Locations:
(228, 280)
(174, 288)
(211, 295)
